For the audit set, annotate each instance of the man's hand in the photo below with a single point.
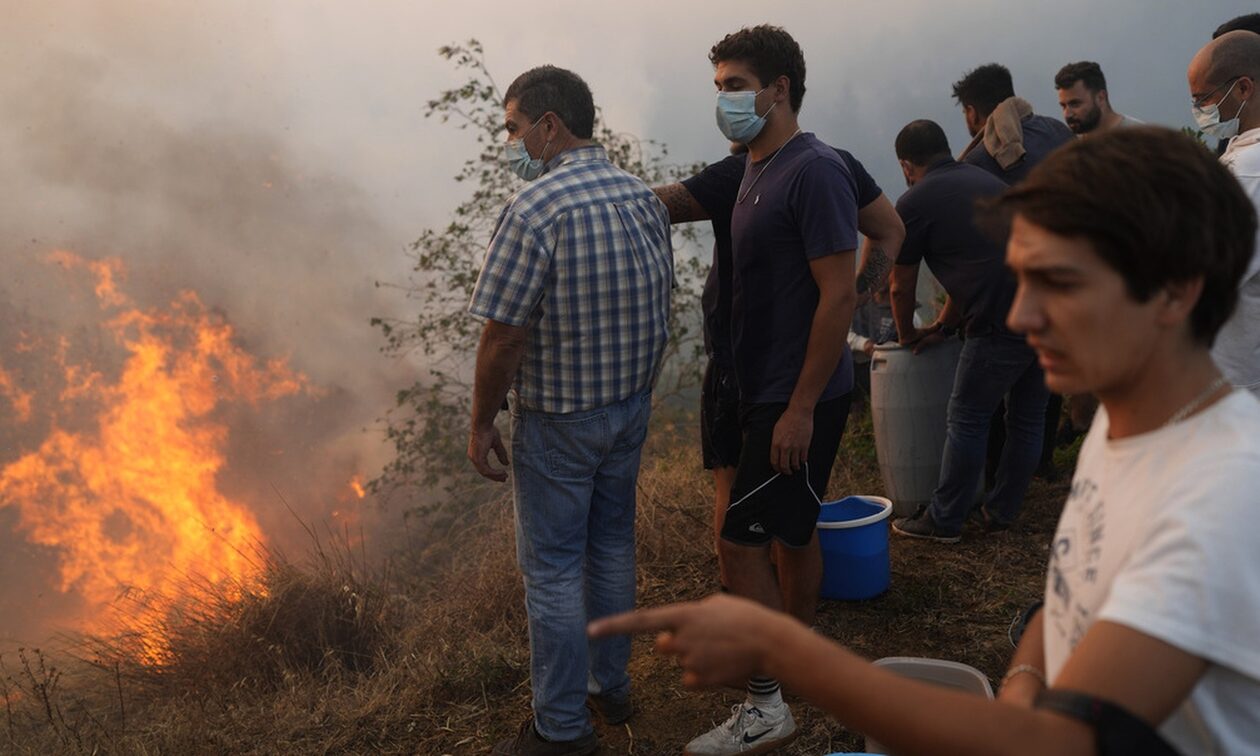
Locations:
(789, 446)
(924, 338)
(927, 339)
(719, 641)
(480, 443)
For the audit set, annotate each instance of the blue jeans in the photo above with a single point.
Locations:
(990, 367)
(574, 478)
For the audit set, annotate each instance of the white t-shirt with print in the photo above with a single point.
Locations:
(1161, 533)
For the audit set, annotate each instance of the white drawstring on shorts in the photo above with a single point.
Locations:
(770, 480)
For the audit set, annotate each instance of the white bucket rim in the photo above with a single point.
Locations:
(886, 509)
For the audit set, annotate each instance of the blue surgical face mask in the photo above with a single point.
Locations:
(518, 159)
(1209, 118)
(737, 117)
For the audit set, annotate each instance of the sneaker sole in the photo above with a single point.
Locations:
(925, 537)
(760, 748)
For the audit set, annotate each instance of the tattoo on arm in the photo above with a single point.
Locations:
(875, 267)
(681, 205)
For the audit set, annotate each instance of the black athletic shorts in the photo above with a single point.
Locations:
(719, 417)
(785, 508)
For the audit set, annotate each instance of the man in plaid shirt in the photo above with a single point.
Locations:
(575, 292)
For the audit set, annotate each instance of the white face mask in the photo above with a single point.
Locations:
(1208, 117)
(737, 117)
(519, 160)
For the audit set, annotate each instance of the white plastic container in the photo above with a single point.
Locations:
(947, 674)
(909, 396)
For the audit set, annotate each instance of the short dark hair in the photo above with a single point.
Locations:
(1086, 71)
(1236, 54)
(770, 52)
(550, 89)
(984, 88)
(1155, 205)
(1248, 22)
(920, 141)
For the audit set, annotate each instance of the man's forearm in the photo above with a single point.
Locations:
(499, 355)
(874, 268)
(950, 315)
(872, 700)
(1026, 674)
(904, 279)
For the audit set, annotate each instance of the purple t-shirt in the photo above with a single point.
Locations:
(798, 205)
(715, 188)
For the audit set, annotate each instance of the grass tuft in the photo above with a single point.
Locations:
(429, 655)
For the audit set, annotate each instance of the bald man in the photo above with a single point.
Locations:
(1222, 78)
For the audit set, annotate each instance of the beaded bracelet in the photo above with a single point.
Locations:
(1024, 669)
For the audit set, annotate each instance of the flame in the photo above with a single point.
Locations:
(19, 400)
(130, 501)
(356, 485)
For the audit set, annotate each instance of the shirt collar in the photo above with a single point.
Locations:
(1245, 139)
(584, 154)
(942, 163)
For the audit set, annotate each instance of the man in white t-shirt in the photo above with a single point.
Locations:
(1152, 601)
(1085, 101)
(1222, 78)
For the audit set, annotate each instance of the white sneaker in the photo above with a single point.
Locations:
(749, 730)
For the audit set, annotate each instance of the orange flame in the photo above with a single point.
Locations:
(356, 485)
(131, 501)
(18, 399)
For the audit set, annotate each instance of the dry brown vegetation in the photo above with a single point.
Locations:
(337, 656)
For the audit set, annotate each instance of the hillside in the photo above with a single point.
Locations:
(336, 655)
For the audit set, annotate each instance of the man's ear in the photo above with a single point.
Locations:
(1246, 88)
(1179, 300)
(783, 88)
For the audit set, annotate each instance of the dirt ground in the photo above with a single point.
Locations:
(946, 602)
(431, 656)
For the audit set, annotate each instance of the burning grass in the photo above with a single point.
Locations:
(336, 656)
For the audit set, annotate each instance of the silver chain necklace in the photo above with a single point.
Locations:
(740, 199)
(1194, 404)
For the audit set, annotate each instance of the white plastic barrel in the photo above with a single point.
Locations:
(909, 395)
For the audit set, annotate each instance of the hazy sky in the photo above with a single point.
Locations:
(339, 86)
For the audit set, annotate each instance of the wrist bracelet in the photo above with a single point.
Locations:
(1020, 669)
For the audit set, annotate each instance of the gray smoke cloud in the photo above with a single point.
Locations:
(113, 144)
(273, 157)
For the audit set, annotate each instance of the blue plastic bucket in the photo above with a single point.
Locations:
(853, 535)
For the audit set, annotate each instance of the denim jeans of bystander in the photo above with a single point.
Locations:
(990, 367)
(574, 488)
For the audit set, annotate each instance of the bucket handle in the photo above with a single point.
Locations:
(770, 480)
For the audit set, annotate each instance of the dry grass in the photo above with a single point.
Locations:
(335, 656)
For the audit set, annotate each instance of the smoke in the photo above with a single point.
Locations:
(131, 131)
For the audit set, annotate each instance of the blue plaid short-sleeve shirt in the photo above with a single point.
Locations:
(582, 257)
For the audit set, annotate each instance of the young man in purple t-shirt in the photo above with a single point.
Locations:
(793, 241)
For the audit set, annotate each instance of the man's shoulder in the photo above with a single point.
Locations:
(1243, 155)
(575, 184)
(958, 176)
(814, 149)
(813, 159)
(979, 156)
(725, 173)
(1052, 129)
